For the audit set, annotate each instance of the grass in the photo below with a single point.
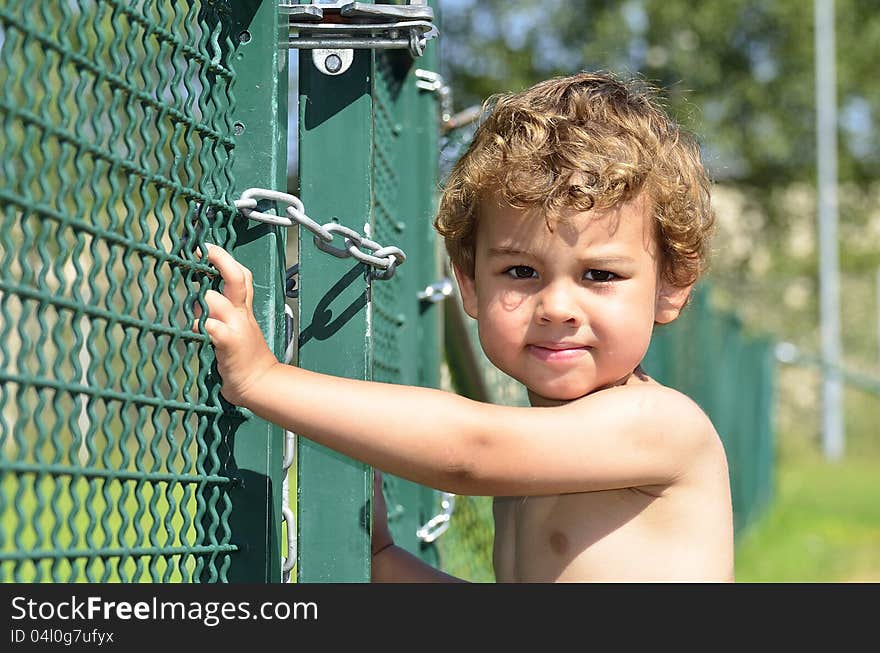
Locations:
(822, 527)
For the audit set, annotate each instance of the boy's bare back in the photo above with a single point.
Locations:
(676, 531)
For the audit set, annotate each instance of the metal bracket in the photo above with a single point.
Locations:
(332, 61)
(428, 80)
(334, 28)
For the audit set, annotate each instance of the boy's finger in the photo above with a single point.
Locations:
(249, 288)
(235, 281)
(219, 306)
(216, 330)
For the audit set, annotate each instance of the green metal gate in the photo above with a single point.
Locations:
(368, 158)
(129, 131)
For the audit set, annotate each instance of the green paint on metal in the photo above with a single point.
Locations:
(118, 460)
(406, 331)
(260, 129)
(335, 155)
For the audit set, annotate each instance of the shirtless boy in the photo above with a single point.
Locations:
(577, 221)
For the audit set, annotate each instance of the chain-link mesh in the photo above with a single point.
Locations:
(115, 144)
(405, 332)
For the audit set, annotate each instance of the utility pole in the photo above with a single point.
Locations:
(829, 275)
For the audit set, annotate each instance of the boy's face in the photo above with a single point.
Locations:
(568, 311)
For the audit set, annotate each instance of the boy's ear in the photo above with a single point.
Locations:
(670, 300)
(468, 290)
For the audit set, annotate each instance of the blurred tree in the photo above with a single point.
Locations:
(739, 73)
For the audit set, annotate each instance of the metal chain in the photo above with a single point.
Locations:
(384, 259)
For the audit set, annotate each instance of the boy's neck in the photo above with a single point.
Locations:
(637, 375)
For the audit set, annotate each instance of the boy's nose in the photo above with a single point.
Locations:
(558, 305)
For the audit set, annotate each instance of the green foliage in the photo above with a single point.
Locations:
(466, 548)
(738, 72)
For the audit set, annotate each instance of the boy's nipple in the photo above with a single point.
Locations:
(558, 542)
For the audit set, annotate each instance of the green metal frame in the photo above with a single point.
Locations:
(137, 129)
(260, 161)
(335, 155)
(368, 159)
(405, 168)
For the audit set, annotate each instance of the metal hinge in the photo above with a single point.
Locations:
(334, 30)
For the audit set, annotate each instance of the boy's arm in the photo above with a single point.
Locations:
(619, 437)
(396, 565)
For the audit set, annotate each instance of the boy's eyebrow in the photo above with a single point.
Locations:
(592, 260)
(507, 251)
(609, 260)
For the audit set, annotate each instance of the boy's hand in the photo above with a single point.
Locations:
(381, 535)
(243, 357)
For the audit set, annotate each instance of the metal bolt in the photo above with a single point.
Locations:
(333, 63)
(238, 128)
(244, 37)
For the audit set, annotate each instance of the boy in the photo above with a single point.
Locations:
(576, 221)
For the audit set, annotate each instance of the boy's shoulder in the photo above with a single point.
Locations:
(652, 407)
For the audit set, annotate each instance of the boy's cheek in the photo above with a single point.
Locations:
(510, 301)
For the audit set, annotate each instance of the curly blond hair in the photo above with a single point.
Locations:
(590, 140)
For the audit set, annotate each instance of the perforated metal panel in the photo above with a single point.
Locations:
(117, 153)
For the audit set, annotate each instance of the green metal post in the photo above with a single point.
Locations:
(335, 156)
(260, 161)
(407, 126)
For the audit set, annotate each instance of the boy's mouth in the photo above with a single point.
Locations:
(557, 351)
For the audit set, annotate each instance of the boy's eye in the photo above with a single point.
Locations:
(520, 272)
(599, 275)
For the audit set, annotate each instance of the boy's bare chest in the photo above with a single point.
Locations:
(540, 539)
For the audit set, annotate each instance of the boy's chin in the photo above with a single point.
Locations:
(555, 397)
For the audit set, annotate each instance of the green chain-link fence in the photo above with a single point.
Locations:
(117, 140)
(707, 355)
(129, 131)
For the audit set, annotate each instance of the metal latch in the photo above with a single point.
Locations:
(333, 30)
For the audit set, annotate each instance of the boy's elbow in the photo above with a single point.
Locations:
(465, 466)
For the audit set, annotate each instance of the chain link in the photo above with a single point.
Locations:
(384, 259)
